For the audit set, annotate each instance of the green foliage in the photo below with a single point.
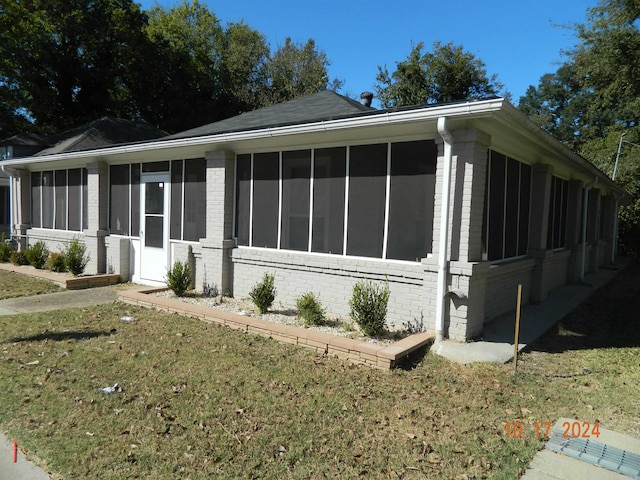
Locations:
(55, 262)
(179, 278)
(445, 75)
(310, 309)
(5, 249)
(37, 254)
(369, 306)
(19, 258)
(264, 293)
(75, 257)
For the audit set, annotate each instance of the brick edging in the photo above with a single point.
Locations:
(378, 356)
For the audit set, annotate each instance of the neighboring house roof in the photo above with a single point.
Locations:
(325, 105)
(103, 132)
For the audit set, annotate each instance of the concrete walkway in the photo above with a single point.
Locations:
(496, 344)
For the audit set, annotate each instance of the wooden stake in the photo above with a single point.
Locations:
(517, 335)
(15, 451)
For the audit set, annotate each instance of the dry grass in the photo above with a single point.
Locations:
(203, 401)
(16, 285)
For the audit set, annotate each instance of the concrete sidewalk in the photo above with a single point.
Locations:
(496, 344)
(22, 469)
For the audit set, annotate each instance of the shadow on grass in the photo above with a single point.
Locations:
(414, 359)
(62, 336)
(608, 319)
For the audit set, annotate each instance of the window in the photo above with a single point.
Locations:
(413, 185)
(4, 205)
(188, 197)
(507, 202)
(266, 188)
(59, 199)
(120, 201)
(301, 200)
(296, 175)
(557, 222)
(329, 173)
(367, 193)
(243, 198)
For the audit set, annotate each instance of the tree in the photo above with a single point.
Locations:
(65, 62)
(447, 74)
(295, 70)
(594, 97)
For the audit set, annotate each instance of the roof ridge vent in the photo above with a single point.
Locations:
(366, 98)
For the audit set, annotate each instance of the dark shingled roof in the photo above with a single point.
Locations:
(325, 105)
(105, 131)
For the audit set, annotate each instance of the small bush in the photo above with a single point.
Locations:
(55, 262)
(369, 306)
(264, 293)
(37, 254)
(75, 257)
(179, 278)
(310, 309)
(5, 249)
(19, 258)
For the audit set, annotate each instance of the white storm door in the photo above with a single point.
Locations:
(154, 228)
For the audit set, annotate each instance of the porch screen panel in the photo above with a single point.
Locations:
(176, 200)
(85, 198)
(495, 220)
(119, 195)
(243, 198)
(367, 185)
(36, 198)
(4, 205)
(60, 177)
(512, 208)
(48, 199)
(266, 171)
(135, 199)
(412, 193)
(74, 181)
(195, 199)
(525, 206)
(329, 176)
(296, 172)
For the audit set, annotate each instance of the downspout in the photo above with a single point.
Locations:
(443, 244)
(585, 212)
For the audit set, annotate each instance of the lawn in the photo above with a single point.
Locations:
(205, 401)
(16, 285)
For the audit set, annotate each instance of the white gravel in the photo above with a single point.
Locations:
(343, 327)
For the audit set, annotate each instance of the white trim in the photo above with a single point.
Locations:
(279, 235)
(346, 200)
(250, 240)
(385, 233)
(311, 192)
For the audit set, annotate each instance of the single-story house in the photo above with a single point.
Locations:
(324, 191)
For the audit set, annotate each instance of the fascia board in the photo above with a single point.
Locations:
(467, 110)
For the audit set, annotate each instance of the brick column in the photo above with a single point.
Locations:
(218, 244)
(538, 227)
(21, 199)
(467, 273)
(97, 209)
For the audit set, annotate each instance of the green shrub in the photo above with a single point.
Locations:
(369, 306)
(37, 254)
(179, 278)
(310, 309)
(55, 262)
(75, 257)
(264, 293)
(5, 249)
(19, 258)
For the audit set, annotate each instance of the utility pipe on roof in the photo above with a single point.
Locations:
(443, 244)
(585, 212)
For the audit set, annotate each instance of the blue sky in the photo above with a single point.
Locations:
(519, 40)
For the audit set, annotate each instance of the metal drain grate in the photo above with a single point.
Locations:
(596, 453)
